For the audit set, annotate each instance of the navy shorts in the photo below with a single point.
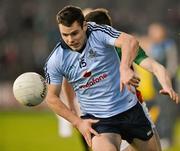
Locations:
(129, 124)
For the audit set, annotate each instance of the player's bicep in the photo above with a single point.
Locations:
(119, 40)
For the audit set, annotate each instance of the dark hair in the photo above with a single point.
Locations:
(69, 14)
(99, 16)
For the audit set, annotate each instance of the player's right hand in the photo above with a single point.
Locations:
(128, 78)
(85, 128)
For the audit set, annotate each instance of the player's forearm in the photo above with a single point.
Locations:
(162, 75)
(61, 109)
(158, 70)
(129, 47)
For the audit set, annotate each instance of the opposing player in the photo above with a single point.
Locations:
(83, 57)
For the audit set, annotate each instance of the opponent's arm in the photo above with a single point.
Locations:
(162, 75)
(129, 47)
(141, 55)
(54, 102)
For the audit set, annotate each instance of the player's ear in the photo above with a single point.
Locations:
(84, 25)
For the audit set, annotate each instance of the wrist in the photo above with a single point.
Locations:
(125, 63)
(124, 67)
(76, 122)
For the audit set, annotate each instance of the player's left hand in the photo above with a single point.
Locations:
(169, 91)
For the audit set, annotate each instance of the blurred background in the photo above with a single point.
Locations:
(28, 33)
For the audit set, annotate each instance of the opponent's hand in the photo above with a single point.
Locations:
(85, 128)
(128, 78)
(169, 91)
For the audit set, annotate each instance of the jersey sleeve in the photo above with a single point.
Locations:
(104, 33)
(110, 35)
(140, 56)
(52, 71)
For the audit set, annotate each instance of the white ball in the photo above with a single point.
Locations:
(30, 89)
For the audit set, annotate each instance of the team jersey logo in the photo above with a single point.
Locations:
(94, 81)
(91, 54)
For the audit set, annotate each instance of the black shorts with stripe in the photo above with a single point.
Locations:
(129, 124)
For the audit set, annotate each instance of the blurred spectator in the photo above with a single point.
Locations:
(9, 60)
(3, 26)
(164, 50)
(28, 12)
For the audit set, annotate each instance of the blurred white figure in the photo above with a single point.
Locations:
(64, 127)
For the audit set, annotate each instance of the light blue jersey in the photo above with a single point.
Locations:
(94, 73)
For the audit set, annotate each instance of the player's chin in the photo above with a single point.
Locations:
(76, 48)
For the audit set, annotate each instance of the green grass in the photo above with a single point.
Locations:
(34, 131)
